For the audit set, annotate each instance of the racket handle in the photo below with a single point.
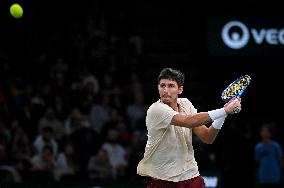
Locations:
(236, 109)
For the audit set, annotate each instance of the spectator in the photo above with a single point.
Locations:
(136, 111)
(269, 157)
(45, 138)
(44, 164)
(75, 121)
(50, 120)
(116, 153)
(66, 162)
(21, 149)
(100, 113)
(99, 167)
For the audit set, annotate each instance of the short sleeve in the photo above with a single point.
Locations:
(160, 115)
(278, 150)
(188, 105)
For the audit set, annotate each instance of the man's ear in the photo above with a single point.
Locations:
(180, 90)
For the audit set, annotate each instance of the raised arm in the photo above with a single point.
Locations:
(202, 118)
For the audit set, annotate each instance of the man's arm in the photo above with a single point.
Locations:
(209, 134)
(191, 121)
(206, 134)
(202, 118)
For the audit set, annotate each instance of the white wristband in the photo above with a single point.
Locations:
(218, 123)
(216, 114)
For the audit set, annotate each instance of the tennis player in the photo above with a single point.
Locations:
(169, 155)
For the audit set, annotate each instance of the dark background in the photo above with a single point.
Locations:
(173, 34)
(167, 29)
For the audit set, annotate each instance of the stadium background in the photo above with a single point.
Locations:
(48, 55)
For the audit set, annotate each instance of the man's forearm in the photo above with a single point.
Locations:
(212, 134)
(191, 121)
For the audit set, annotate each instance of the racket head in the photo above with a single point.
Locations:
(236, 88)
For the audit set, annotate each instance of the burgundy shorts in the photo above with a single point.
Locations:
(196, 182)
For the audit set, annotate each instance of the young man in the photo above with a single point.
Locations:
(169, 155)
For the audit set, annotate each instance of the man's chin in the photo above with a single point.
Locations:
(166, 101)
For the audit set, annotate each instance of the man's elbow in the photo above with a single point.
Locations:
(208, 141)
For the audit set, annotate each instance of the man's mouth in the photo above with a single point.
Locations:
(166, 96)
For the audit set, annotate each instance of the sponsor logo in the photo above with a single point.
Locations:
(236, 35)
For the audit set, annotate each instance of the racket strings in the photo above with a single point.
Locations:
(236, 87)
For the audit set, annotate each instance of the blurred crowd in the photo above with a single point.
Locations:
(75, 114)
(73, 105)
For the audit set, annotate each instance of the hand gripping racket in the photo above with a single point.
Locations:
(236, 89)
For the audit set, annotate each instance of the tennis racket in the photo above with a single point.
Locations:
(236, 89)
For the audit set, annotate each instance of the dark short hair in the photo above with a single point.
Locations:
(172, 74)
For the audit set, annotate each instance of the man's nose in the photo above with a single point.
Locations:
(165, 89)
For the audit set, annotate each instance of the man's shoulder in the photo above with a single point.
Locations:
(157, 104)
(275, 143)
(258, 145)
(184, 101)
(187, 105)
(158, 108)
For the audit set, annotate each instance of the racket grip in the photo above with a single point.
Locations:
(236, 110)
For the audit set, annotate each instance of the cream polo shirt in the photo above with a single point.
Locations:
(168, 153)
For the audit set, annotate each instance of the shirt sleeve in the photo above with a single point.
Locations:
(193, 110)
(279, 150)
(160, 115)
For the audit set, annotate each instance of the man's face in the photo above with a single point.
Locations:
(265, 133)
(169, 90)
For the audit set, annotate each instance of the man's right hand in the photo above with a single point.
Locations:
(232, 104)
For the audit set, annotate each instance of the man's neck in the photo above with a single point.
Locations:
(174, 105)
(266, 141)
